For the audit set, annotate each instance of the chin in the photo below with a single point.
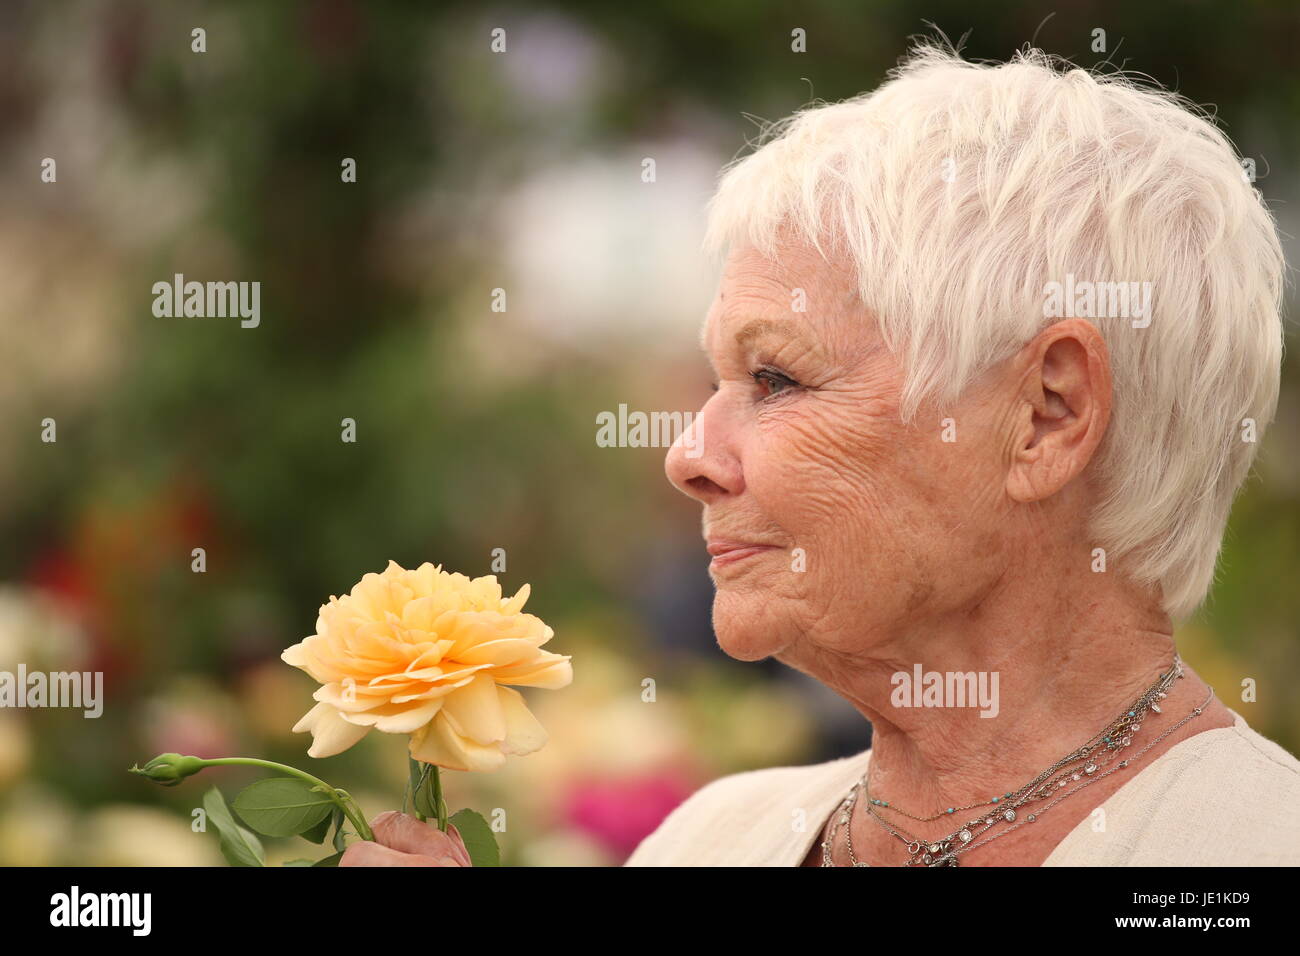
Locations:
(743, 634)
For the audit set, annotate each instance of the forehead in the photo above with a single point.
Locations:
(796, 291)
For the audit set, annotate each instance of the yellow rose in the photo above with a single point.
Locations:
(428, 653)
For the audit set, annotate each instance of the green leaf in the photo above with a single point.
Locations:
(340, 843)
(282, 806)
(476, 833)
(238, 846)
(331, 860)
(300, 863)
(318, 833)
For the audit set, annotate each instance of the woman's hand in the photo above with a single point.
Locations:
(402, 840)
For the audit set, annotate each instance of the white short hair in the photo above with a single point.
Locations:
(958, 191)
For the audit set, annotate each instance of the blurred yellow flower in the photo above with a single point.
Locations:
(428, 653)
(129, 835)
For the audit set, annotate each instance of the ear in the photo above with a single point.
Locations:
(1062, 408)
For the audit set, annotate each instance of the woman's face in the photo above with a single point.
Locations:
(832, 525)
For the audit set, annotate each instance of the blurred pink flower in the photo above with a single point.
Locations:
(621, 812)
(193, 716)
(193, 733)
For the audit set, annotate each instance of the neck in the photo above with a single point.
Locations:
(1064, 670)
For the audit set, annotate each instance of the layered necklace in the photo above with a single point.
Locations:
(1083, 766)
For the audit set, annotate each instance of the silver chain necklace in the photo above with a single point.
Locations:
(944, 852)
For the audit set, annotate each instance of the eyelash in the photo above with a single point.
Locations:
(768, 375)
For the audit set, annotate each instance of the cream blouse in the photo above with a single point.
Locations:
(1223, 797)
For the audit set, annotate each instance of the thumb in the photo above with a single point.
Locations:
(457, 842)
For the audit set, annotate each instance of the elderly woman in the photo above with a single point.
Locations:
(994, 348)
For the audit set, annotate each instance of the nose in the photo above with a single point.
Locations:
(702, 462)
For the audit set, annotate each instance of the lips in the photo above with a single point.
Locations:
(727, 552)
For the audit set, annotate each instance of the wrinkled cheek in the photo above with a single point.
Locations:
(796, 485)
(824, 506)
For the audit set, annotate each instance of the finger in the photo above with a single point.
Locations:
(403, 832)
(366, 853)
(458, 845)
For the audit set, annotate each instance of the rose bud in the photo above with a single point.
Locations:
(170, 769)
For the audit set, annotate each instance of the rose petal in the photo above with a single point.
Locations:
(551, 674)
(350, 700)
(294, 655)
(523, 732)
(474, 711)
(331, 734)
(500, 652)
(437, 743)
(397, 718)
(513, 605)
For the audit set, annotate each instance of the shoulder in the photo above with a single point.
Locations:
(1239, 764)
(1226, 797)
(747, 818)
(1263, 779)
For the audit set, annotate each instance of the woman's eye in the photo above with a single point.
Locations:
(775, 382)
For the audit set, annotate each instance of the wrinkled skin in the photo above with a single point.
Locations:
(884, 513)
(402, 840)
(971, 555)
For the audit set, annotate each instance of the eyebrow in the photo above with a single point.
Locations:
(758, 327)
(751, 330)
